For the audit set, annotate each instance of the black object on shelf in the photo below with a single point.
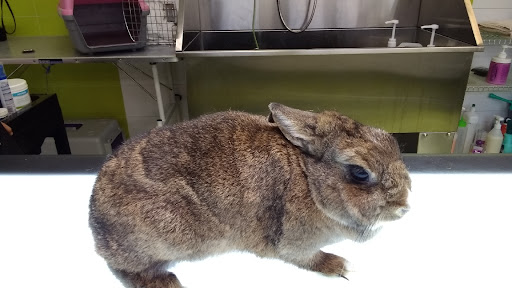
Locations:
(480, 71)
(31, 125)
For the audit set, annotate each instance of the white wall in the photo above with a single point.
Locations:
(489, 10)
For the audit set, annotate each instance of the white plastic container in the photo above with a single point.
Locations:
(494, 138)
(19, 91)
(471, 119)
(88, 137)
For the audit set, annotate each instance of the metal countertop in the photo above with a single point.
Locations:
(74, 164)
(58, 49)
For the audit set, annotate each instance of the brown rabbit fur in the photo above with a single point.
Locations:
(282, 187)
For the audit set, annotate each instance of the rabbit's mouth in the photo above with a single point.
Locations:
(395, 213)
(369, 231)
(366, 232)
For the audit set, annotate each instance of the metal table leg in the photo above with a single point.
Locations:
(160, 103)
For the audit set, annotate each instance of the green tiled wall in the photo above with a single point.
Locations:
(35, 18)
(89, 90)
(84, 90)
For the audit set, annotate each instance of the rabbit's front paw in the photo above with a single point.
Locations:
(330, 264)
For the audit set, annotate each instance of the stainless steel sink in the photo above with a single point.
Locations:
(340, 62)
(339, 41)
(322, 39)
(223, 28)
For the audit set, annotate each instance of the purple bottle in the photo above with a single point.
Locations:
(499, 68)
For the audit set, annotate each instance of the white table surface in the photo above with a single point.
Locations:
(457, 234)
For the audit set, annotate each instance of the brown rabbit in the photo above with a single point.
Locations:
(282, 187)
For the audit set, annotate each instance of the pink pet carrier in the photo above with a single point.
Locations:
(105, 25)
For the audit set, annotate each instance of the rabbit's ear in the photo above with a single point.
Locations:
(297, 126)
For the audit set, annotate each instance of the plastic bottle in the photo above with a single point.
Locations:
(507, 139)
(494, 137)
(471, 119)
(5, 92)
(479, 143)
(499, 67)
(460, 136)
(504, 126)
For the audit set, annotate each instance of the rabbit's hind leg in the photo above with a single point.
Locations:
(154, 277)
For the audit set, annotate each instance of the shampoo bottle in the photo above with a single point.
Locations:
(471, 119)
(494, 137)
(499, 68)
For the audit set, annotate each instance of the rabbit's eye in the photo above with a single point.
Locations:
(358, 174)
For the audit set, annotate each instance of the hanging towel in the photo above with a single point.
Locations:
(502, 27)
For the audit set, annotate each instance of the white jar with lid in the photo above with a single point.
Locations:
(19, 90)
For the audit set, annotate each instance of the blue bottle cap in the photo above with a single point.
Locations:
(2, 72)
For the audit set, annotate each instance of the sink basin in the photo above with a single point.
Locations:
(211, 41)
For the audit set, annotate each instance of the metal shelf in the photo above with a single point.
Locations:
(491, 39)
(58, 49)
(478, 84)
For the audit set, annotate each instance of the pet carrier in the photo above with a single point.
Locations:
(105, 25)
